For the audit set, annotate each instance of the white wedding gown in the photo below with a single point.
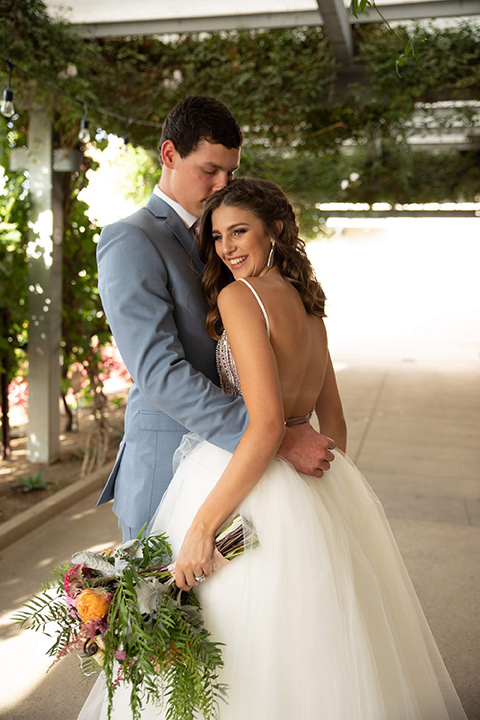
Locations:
(321, 622)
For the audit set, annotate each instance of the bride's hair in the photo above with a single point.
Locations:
(268, 203)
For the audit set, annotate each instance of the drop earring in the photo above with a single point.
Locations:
(272, 252)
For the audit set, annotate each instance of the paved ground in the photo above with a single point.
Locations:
(412, 405)
(412, 434)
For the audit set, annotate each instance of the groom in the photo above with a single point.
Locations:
(149, 280)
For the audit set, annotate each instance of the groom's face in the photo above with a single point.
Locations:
(195, 177)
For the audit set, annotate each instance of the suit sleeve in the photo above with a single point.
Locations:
(133, 285)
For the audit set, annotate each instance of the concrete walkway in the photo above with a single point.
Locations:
(413, 423)
(414, 434)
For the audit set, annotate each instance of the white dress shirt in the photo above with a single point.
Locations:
(187, 217)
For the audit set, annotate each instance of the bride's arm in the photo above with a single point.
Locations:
(329, 409)
(257, 370)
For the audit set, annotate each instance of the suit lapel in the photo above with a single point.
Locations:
(185, 237)
(161, 209)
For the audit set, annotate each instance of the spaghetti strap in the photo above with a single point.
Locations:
(262, 306)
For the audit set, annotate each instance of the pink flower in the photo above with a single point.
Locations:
(74, 581)
(70, 583)
(72, 604)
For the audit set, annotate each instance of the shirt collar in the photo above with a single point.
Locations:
(186, 217)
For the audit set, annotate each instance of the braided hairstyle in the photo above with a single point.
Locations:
(268, 202)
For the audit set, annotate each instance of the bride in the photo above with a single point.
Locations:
(321, 621)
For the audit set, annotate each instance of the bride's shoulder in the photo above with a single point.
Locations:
(234, 294)
(237, 299)
(237, 289)
(253, 290)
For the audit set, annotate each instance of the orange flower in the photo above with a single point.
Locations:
(173, 654)
(106, 552)
(92, 604)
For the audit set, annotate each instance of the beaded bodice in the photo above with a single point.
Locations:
(227, 370)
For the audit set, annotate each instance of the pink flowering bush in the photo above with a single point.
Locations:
(18, 390)
(111, 366)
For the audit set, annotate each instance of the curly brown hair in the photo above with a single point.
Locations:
(268, 203)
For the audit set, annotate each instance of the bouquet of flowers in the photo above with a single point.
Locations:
(124, 613)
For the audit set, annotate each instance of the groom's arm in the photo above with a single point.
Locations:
(133, 284)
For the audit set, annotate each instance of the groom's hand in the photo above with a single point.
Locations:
(307, 450)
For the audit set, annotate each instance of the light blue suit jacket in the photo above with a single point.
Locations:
(149, 280)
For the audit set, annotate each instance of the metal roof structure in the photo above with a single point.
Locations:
(151, 17)
(123, 18)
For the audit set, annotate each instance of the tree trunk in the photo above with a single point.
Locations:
(6, 453)
(68, 413)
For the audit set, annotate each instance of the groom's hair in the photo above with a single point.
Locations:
(200, 117)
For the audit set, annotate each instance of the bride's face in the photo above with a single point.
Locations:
(241, 241)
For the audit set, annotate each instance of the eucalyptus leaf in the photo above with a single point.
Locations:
(94, 561)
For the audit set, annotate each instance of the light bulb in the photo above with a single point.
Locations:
(84, 134)
(7, 108)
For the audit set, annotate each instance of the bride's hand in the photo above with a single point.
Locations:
(195, 558)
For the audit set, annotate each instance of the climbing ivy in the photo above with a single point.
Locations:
(284, 86)
(297, 107)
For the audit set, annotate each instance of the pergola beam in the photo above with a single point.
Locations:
(333, 212)
(337, 27)
(209, 23)
(393, 12)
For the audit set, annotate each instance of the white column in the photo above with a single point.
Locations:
(45, 293)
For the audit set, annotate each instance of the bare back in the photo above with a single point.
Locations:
(299, 341)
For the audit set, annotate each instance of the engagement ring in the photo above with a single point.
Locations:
(200, 579)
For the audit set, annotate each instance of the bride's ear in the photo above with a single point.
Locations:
(278, 225)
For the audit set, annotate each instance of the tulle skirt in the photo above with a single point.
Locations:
(321, 621)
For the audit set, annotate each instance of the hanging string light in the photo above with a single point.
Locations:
(7, 108)
(84, 134)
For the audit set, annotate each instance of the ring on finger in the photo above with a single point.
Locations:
(200, 578)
